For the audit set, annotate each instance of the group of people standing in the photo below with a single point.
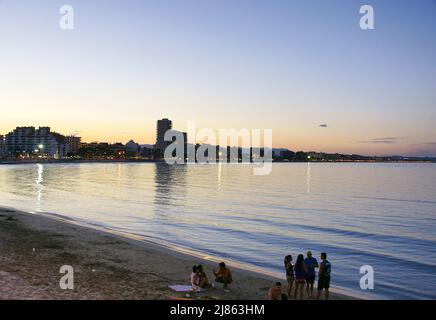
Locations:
(302, 275)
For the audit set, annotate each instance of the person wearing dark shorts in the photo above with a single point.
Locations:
(323, 283)
(300, 270)
(311, 264)
(325, 269)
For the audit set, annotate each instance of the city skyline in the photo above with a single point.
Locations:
(304, 69)
(34, 141)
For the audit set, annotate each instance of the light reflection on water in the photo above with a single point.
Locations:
(383, 215)
(308, 178)
(39, 186)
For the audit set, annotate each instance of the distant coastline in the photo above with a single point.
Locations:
(64, 161)
(42, 145)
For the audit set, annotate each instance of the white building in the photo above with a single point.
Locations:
(28, 142)
(132, 148)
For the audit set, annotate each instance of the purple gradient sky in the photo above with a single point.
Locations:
(286, 65)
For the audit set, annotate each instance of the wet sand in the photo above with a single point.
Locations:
(33, 248)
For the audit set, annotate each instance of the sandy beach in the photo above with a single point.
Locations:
(106, 266)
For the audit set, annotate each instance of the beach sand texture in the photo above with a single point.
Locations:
(106, 266)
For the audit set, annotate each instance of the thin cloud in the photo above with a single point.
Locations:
(386, 140)
(427, 143)
(324, 125)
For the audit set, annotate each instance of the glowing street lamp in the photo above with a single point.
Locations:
(41, 146)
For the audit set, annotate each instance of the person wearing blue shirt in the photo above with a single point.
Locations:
(311, 264)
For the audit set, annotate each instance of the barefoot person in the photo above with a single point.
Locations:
(325, 269)
(275, 293)
(300, 276)
(289, 274)
(203, 281)
(223, 275)
(311, 263)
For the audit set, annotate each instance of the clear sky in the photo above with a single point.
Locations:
(286, 65)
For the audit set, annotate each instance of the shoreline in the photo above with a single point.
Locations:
(107, 264)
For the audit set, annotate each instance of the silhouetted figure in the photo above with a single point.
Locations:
(325, 269)
(223, 275)
(300, 276)
(290, 276)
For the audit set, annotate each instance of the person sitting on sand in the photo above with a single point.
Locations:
(202, 277)
(195, 279)
(300, 276)
(275, 293)
(311, 263)
(223, 275)
(325, 269)
(289, 273)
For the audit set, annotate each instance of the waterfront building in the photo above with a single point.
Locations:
(132, 149)
(185, 144)
(163, 126)
(74, 144)
(147, 151)
(28, 142)
(2, 147)
(102, 151)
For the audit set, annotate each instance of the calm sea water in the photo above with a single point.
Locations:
(383, 215)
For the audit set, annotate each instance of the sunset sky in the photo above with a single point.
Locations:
(302, 68)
